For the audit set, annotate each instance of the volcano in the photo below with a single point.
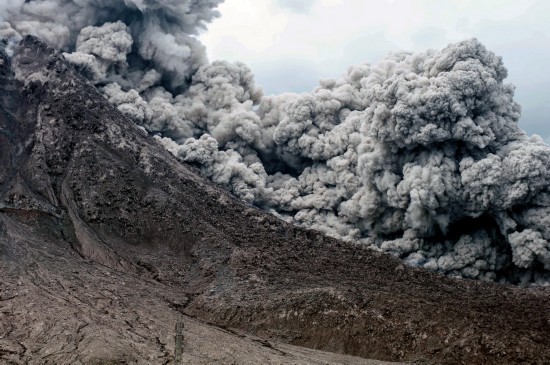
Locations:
(107, 241)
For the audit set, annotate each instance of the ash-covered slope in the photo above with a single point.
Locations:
(105, 238)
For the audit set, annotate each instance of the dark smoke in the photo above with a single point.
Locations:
(419, 155)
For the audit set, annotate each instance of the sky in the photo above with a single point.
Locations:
(291, 44)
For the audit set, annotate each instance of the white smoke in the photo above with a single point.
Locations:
(419, 155)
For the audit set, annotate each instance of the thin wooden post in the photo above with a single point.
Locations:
(178, 348)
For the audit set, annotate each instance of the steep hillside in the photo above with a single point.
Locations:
(106, 239)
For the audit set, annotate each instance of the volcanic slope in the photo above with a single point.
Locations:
(106, 239)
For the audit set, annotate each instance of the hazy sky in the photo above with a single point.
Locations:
(290, 44)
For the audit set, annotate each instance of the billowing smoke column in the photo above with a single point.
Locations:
(419, 156)
(130, 41)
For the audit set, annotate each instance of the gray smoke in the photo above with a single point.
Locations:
(419, 155)
(121, 40)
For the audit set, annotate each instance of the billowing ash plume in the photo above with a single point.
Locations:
(123, 40)
(419, 155)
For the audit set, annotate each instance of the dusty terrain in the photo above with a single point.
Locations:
(106, 239)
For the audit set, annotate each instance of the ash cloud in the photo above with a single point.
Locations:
(162, 34)
(419, 155)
